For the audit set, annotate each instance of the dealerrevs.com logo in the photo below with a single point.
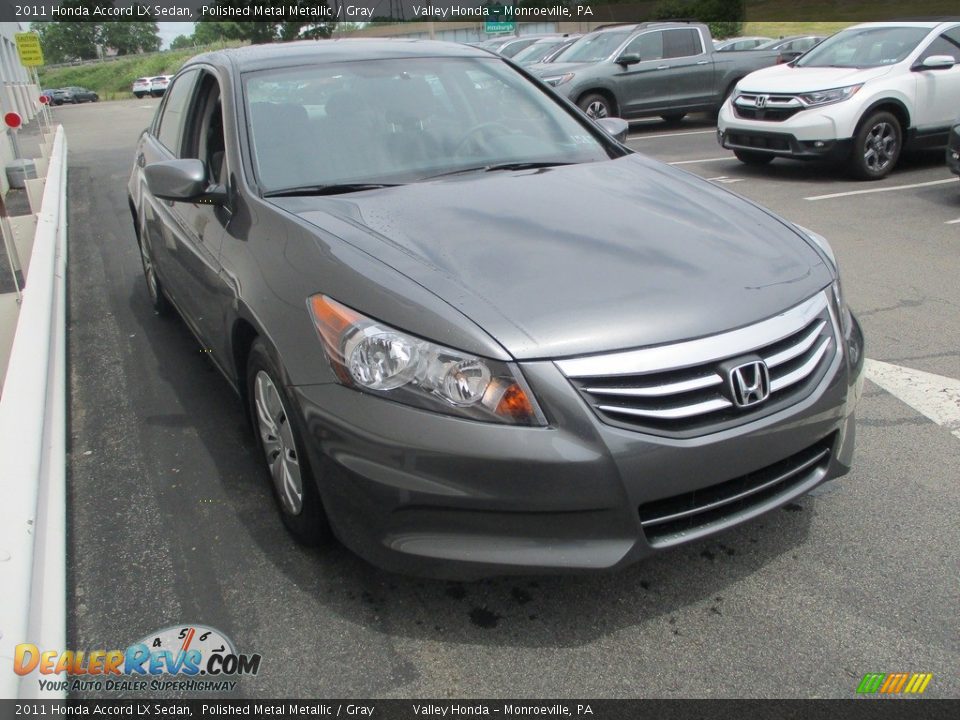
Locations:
(181, 657)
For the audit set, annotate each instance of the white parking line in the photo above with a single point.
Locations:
(952, 222)
(935, 396)
(725, 180)
(692, 162)
(677, 134)
(879, 190)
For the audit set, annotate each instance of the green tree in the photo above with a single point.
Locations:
(128, 38)
(723, 17)
(67, 41)
(181, 42)
(259, 31)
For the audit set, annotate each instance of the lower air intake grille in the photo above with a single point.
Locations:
(671, 520)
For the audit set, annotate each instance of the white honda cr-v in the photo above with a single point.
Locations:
(860, 96)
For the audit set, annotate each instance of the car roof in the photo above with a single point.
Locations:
(303, 52)
(929, 24)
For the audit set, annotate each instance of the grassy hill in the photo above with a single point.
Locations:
(112, 79)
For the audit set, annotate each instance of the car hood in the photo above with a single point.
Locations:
(787, 79)
(583, 258)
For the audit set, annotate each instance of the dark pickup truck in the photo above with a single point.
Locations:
(633, 71)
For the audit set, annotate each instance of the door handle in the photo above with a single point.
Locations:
(663, 67)
(703, 62)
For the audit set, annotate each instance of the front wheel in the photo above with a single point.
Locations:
(596, 106)
(749, 157)
(876, 147)
(280, 440)
(161, 306)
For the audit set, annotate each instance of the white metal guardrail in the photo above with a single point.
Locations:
(32, 449)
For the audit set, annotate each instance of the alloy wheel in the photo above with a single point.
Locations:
(279, 446)
(597, 110)
(880, 147)
(148, 270)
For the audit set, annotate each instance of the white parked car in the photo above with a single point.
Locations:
(141, 87)
(860, 96)
(158, 84)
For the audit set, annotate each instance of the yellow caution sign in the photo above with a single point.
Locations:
(29, 50)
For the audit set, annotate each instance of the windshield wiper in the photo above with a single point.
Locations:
(500, 166)
(333, 189)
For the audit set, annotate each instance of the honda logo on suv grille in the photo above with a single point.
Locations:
(749, 383)
(760, 101)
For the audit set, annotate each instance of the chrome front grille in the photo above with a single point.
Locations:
(775, 108)
(687, 389)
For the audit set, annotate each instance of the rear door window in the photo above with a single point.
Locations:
(683, 42)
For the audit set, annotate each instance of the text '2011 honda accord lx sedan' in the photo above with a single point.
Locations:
(476, 334)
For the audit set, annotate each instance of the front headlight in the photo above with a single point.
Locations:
(373, 357)
(826, 97)
(555, 80)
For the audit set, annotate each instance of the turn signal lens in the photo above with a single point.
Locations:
(515, 403)
(371, 356)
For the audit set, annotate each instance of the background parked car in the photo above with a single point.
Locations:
(659, 68)
(739, 43)
(790, 48)
(543, 49)
(510, 45)
(860, 97)
(55, 96)
(141, 87)
(77, 95)
(158, 84)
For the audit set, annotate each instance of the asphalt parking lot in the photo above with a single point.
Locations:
(171, 519)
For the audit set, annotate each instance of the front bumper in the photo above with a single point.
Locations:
(427, 494)
(808, 135)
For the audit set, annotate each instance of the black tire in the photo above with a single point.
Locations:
(309, 524)
(597, 106)
(673, 118)
(749, 157)
(876, 146)
(138, 95)
(158, 298)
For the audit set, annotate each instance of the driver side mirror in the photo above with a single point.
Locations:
(628, 59)
(615, 127)
(935, 62)
(183, 180)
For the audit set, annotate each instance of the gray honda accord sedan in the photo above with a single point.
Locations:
(476, 334)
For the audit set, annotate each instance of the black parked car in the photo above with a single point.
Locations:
(54, 96)
(77, 95)
(474, 332)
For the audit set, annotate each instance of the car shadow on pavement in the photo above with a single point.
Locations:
(816, 171)
(524, 611)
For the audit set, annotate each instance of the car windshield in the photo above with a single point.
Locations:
(593, 48)
(865, 47)
(404, 120)
(537, 52)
